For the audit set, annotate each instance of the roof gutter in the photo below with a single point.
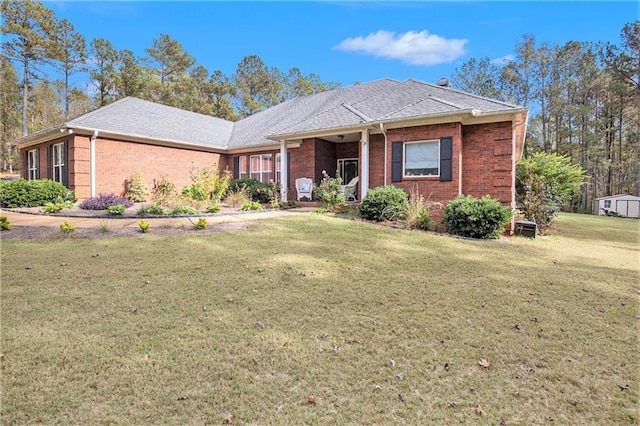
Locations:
(86, 131)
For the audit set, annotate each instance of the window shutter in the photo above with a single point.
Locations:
(236, 167)
(65, 161)
(49, 162)
(25, 166)
(446, 154)
(396, 161)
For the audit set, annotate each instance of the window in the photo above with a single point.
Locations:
(607, 204)
(261, 167)
(278, 168)
(422, 158)
(32, 166)
(243, 167)
(58, 161)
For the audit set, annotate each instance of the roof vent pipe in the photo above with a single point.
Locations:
(444, 82)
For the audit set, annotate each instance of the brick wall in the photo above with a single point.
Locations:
(429, 187)
(325, 159)
(487, 161)
(117, 160)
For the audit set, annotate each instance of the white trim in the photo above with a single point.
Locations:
(364, 179)
(55, 165)
(32, 164)
(284, 171)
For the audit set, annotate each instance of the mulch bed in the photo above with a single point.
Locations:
(37, 232)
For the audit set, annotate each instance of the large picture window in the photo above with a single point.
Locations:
(58, 162)
(261, 167)
(422, 158)
(32, 166)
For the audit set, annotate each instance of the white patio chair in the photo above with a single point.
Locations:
(304, 187)
(349, 190)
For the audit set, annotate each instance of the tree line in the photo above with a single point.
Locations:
(584, 97)
(41, 54)
(584, 101)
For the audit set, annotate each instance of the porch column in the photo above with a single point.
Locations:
(284, 170)
(364, 179)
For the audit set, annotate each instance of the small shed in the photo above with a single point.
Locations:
(619, 205)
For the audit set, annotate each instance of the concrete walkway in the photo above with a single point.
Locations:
(27, 219)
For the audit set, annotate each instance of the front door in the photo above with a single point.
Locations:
(347, 169)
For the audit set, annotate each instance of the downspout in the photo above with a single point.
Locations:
(92, 162)
(384, 132)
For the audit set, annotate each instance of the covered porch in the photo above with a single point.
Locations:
(345, 155)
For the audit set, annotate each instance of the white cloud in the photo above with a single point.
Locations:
(415, 48)
(504, 60)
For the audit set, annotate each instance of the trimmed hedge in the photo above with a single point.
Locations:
(33, 193)
(473, 217)
(384, 203)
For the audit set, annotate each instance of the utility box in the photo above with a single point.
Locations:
(526, 228)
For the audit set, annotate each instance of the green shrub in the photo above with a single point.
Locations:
(544, 182)
(201, 223)
(163, 192)
(116, 210)
(5, 225)
(329, 192)
(208, 184)
(182, 210)
(104, 226)
(152, 210)
(476, 217)
(238, 197)
(384, 203)
(56, 207)
(213, 208)
(33, 193)
(251, 205)
(256, 190)
(144, 226)
(67, 228)
(135, 188)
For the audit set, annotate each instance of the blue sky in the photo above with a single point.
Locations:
(347, 41)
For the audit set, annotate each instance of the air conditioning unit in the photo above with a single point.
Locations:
(525, 228)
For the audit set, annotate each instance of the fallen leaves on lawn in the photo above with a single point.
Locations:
(480, 411)
(228, 418)
(484, 363)
(311, 400)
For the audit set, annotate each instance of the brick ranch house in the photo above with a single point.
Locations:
(386, 132)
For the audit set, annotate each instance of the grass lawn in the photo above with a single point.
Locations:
(317, 320)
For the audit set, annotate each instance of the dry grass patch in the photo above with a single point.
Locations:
(315, 319)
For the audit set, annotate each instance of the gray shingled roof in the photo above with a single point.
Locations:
(377, 101)
(318, 111)
(136, 117)
(382, 100)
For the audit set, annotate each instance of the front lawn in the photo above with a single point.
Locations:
(321, 320)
